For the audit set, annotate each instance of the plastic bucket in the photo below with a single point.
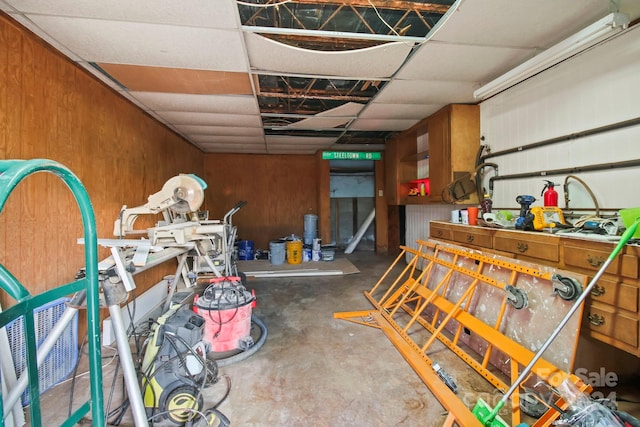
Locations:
(294, 252)
(245, 250)
(277, 251)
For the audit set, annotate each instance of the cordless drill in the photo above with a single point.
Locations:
(525, 203)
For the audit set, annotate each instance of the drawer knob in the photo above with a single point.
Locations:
(522, 247)
(439, 233)
(595, 262)
(596, 320)
(470, 238)
(597, 290)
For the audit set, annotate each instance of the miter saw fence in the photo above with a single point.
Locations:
(180, 196)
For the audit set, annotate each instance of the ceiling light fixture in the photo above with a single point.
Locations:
(579, 42)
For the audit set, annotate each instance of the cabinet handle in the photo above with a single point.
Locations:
(522, 247)
(596, 320)
(439, 233)
(595, 262)
(597, 290)
(470, 238)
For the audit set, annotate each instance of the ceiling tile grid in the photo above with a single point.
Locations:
(259, 76)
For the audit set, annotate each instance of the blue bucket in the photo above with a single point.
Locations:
(245, 250)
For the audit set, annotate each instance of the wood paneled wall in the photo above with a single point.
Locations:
(51, 108)
(279, 191)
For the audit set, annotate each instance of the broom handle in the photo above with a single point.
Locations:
(623, 241)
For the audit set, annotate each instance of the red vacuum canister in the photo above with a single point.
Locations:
(550, 195)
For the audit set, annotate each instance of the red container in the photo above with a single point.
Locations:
(223, 329)
(226, 308)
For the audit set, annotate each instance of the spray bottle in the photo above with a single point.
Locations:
(550, 195)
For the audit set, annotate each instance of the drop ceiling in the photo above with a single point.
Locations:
(297, 76)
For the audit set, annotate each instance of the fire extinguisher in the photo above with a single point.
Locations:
(550, 195)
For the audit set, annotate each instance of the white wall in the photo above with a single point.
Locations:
(597, 88)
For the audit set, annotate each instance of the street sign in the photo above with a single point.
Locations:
(350, 155)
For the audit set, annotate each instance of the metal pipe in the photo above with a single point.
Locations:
(564, 138)
(566, 171)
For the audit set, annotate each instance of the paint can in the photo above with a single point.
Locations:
(294, 251)
(277, 252)
(245, 250)
(306, 254)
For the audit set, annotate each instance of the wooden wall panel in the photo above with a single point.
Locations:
(51, 108)
(279, 190)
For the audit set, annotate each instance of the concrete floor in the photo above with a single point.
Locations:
(314, 370)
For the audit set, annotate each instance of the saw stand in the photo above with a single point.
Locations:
(116, 293)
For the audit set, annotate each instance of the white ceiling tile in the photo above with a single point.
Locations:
(300, 140)
(194, 13)
(519, 23)
(121, 42)
(296, 150)
(320, 123)
(382, 124)
(377, 110)
(5, 7)
(349, 109)
(235, 148)
(210, 119)
(226, 139)
(219, 130)
(427, 92)
(235, 104)
(374, 62)
(448, 61)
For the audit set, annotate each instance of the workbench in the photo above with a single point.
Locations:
(611, 312)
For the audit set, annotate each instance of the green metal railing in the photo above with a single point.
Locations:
(12, 172)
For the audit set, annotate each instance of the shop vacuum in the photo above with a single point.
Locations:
(226, 305)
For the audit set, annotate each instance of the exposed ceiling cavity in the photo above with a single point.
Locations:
(298, 76)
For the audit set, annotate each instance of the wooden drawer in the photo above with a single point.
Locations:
(472, 237)
(616, 293)
(438, 231)
(528, 244)
(592, 255)
(604, 320)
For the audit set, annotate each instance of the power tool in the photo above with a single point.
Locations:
(525, 203)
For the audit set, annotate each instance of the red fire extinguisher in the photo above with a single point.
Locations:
(550, 195)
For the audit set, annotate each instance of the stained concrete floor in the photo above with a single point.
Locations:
(314, 370)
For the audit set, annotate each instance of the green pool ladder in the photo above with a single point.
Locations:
(12, 172)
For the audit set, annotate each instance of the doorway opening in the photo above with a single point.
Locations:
(352, 190)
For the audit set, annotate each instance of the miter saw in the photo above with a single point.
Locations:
(180, 196)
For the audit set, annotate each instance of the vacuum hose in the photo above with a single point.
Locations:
(249, 352)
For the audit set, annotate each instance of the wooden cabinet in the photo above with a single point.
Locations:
(453, 135)
(612, 309)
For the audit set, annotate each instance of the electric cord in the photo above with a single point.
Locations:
(73, 381)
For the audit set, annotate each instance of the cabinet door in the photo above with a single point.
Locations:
(439, 153)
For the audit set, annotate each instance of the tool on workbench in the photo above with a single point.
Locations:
(547, 217)
(482, 410)
(525, 202)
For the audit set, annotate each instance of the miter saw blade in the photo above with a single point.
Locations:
(187, 192)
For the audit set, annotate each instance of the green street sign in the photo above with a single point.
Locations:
(350, 155)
